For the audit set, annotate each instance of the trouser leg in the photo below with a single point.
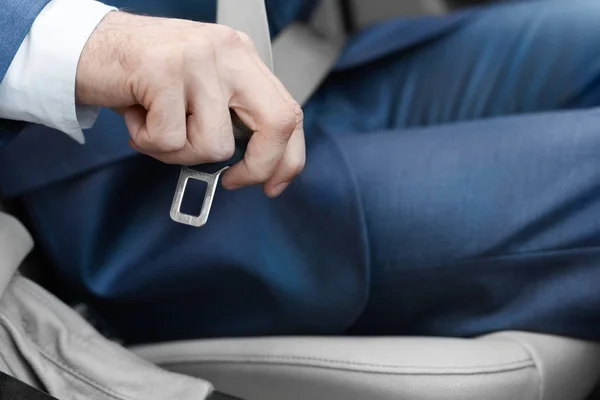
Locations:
(483, 226)
(515, 58)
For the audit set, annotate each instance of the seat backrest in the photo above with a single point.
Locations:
(35, 264)
(366, 12)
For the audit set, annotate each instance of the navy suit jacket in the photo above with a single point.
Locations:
(16, 18)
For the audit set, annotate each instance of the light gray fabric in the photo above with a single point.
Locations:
(46, 344)
(303, 55)
(302, 59)
(15, 244)
(43, 340)
(367, 12)
(250, 17)
(504, 366)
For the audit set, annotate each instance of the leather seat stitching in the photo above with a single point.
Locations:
(526, 362)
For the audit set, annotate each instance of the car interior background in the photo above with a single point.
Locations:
(500, 366)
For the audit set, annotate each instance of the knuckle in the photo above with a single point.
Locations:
(222, 153)
(169, 143)
(257, 172)
(245, 38)
(140, 143)
(258, 175)
(219, 148)
(285, 122)
(228, 36)
(201, 50)
(166, 137)
(298, 112)
(157, 144)
(295, 165)
(140, 140)
(164, 60)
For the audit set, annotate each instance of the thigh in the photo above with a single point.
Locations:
(482, 226)
(259, 267)
(522, 57)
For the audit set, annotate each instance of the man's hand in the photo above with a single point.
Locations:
(174, 82)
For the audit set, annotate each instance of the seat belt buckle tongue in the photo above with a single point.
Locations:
(210, 174)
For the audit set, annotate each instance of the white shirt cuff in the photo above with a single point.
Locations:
(39, 86)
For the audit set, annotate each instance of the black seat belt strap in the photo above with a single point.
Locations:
(14, 389)
(220, 396)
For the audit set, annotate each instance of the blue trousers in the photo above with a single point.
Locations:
(452, 188)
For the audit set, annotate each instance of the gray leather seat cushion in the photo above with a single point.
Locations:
(503, 366)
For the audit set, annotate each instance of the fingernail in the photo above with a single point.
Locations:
(231, 187)
(277, 190)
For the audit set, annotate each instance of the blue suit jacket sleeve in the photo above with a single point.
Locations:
(16, 19)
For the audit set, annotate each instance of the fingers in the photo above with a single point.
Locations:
(251, 48)
(207, 130)
(290, 165)
(183, 113)
(135, 119)
(162, 127)
(267, 108)
(201, 147)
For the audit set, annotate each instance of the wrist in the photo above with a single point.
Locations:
(101, 71)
